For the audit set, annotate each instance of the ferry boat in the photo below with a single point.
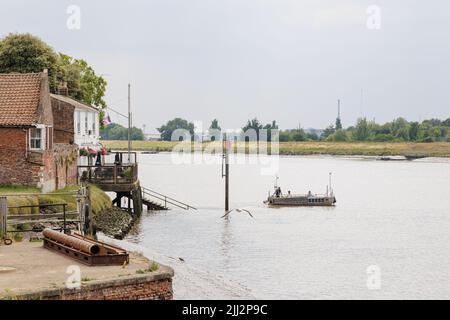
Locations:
(277, 198)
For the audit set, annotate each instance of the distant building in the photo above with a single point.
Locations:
(152, 136)
(36, 143)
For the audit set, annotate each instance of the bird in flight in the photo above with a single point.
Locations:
(237, 210)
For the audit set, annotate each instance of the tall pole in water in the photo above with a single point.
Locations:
(129, 125)
(225, 161)
(339, 109)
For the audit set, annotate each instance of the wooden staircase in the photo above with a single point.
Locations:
(157, 201)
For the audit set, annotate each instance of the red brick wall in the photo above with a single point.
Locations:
(14, 169)
(19, 166)
(63, 121)
(156, 290)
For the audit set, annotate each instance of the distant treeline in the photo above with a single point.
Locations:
(399, 130)
(115, 131)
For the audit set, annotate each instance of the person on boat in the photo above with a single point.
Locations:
(278, 192)
(289, 193)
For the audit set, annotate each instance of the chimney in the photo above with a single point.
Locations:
(62, 89)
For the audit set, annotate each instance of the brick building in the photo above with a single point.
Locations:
(35, 147)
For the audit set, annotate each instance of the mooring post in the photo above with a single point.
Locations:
(3, 217)
(227, 170)
(64, 217)
(89, 224)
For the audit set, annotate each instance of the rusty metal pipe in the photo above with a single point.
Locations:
(70, 241)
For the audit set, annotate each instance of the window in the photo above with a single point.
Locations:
(37, 141)
(93, 123)
(86, 126)
(78, 122)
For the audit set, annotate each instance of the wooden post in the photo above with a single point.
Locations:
(89, 222)
(137, 201)
(3, 217)
(227, 170)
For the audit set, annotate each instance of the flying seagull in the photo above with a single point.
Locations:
(237, 210)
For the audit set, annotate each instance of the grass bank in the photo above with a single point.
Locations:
(100, 200)
(434, 149)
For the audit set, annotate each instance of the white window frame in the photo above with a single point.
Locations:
(86, 123)
(78, 122)
(43, 130)
(94, 124)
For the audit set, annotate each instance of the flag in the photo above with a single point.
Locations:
(107, 120)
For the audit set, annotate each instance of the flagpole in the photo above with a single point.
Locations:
(129, 126)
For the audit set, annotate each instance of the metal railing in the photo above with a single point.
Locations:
(148, 194)
(108, 174)
(20, 219)
(121, 156)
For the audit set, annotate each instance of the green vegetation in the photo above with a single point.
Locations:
(152, 268)
(398, 130)
(435, 149)
(167, 129)
(100, 200)
(86, 279)
(25, 53)
(8, 294)
(115, 131)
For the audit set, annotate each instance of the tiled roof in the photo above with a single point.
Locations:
(73, 102)
(19, 98)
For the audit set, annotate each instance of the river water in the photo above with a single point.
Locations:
(387, 237)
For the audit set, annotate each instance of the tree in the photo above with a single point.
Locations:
(338, 125)
(285, 136)
(25, 53)
(298, 135)
(253, 124)
(339, 136)
(413, 131)
(361, 132)
(167, 129)
(84, 85)
(446, 122)
(269, 127)
(215, 125)
(312, 136)
(115, 131)
(327, 132)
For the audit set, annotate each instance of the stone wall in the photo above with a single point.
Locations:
(65, 159)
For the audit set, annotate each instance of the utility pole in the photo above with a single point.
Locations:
(226, 174)
(361, 102)
(339, 109)
(129, 125)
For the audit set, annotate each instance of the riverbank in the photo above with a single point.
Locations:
(112, 221)
(32, 272)
(434, 149)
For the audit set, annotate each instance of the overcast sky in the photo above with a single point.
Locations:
(287, 60)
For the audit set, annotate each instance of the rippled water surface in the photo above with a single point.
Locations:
(393, 215)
